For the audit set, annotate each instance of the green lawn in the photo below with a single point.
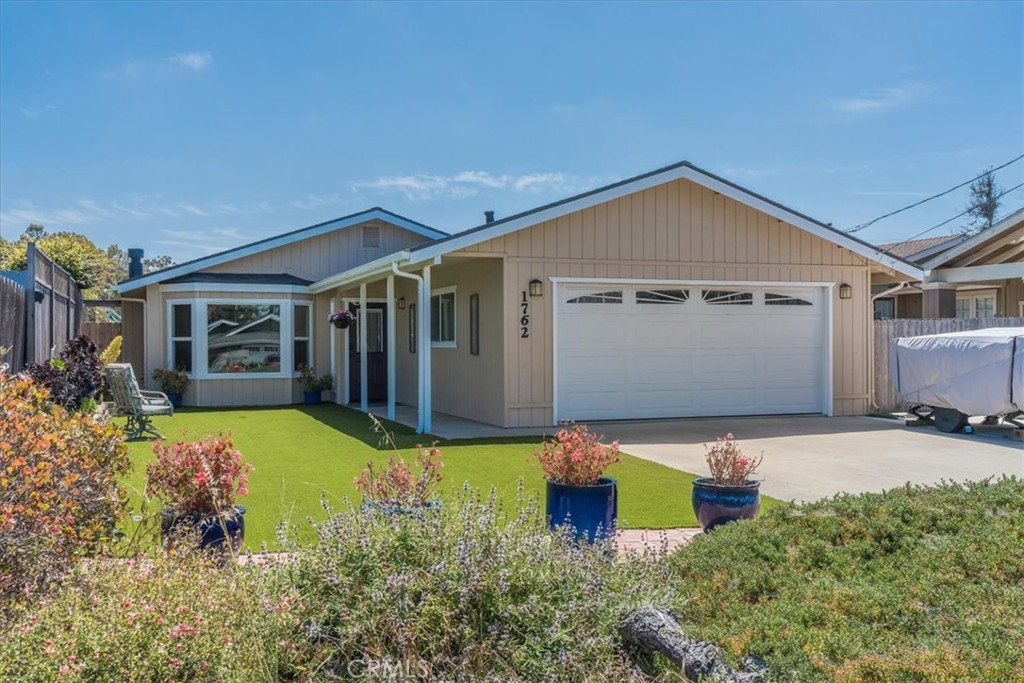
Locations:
(301, 452)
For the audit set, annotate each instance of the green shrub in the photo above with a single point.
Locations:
(178, 618)
(59, 494)
(467, 592)
(915, 585)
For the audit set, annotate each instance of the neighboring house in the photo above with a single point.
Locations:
(977, 277)
(673, 293)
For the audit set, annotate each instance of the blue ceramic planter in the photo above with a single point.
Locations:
(175, 400)
(715, 505)
(211, 529)
(592, 511)
(311, 398)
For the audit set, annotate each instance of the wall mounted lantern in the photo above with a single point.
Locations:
(845, 291)
(401, 303)
(536, 287)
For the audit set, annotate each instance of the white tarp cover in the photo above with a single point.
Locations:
(980, 372)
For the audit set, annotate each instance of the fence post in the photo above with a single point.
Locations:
(30, 305)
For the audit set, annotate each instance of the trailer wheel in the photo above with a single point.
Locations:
(949, 420)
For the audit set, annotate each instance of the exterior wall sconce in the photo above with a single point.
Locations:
(845, 291)
(536, 287)
(401, 303)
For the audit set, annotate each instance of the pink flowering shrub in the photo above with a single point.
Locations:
(397, 484)
(729, 465)
(198, 477)
(576, 456)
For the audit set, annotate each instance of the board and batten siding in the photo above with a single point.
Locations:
(325, 255)
(675, 231)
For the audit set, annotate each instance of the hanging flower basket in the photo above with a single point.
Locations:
(342, 318)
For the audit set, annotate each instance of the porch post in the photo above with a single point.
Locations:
(392, 336)
(346, 382)
(333, 344)
(364, 403)
(426, 406)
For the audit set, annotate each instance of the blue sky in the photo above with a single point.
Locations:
(188, 128)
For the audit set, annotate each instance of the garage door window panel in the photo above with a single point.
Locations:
(608, 297)
(771, 299)
(726, 297)
(662, 296)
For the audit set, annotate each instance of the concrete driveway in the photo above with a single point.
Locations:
(807, 458)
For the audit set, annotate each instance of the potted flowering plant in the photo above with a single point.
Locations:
(342, 318)
(729, 493)
(198, 482)
(397, 489)
(313, 386)
(574, 461)
(173, 383)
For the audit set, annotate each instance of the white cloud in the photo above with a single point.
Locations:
(312, 201)
(197, 61)
(193, 209)
(467, 184)
(133, 211)
(19, 217)
(881, 100)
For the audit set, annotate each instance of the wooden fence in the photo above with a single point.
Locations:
(12, 323)
(886, 397)
(52, 310)
(101, 333)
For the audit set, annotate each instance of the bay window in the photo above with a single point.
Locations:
(229, 339)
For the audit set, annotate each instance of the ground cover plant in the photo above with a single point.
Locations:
(916, 585)
(303, 452)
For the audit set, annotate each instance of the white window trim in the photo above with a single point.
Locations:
(455, 317)
(309, 332)
(170, 330)
(973, 297)
(200, 341)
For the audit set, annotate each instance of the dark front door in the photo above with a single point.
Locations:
(376, 356)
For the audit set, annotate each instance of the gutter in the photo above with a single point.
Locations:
(381, 266)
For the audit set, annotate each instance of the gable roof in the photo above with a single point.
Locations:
(375, 213)
(682, 170)
(1001, 228)
(918, 250)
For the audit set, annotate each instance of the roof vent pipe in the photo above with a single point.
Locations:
(488, 216)
(135, 263)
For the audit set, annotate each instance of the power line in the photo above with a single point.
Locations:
(857, 228)
(959, 215)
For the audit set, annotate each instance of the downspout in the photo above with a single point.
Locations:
(422, 364)
(871, 346)
(144, 340)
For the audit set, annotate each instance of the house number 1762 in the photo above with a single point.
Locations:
(524, 321)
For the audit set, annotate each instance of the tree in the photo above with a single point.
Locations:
(984, 204)
(75, 253)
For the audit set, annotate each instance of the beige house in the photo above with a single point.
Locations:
(673, 293)
(977, 277)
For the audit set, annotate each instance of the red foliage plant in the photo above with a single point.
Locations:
(576, 456)
(199, 477)
(729, 465)
(397, 485)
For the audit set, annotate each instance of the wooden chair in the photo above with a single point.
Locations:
(137, 405)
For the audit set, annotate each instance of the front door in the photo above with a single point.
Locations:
(376, 356)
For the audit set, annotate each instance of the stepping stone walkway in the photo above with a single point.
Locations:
(653, 540)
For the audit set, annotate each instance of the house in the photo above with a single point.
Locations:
(981, 276)
(672, 293)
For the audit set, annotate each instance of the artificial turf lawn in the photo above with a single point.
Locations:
(301, 452)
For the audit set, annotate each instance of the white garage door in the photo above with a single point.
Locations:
(652, 350)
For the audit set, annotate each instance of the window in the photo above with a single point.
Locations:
(442, 318)
(885, 308)
(474, 324)
(412, 328)
(181, 337)
(613, 297)
(302, 323)
(663, 296)
(719, 297)
(785, 300)
(976, 304)
(243, 338)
